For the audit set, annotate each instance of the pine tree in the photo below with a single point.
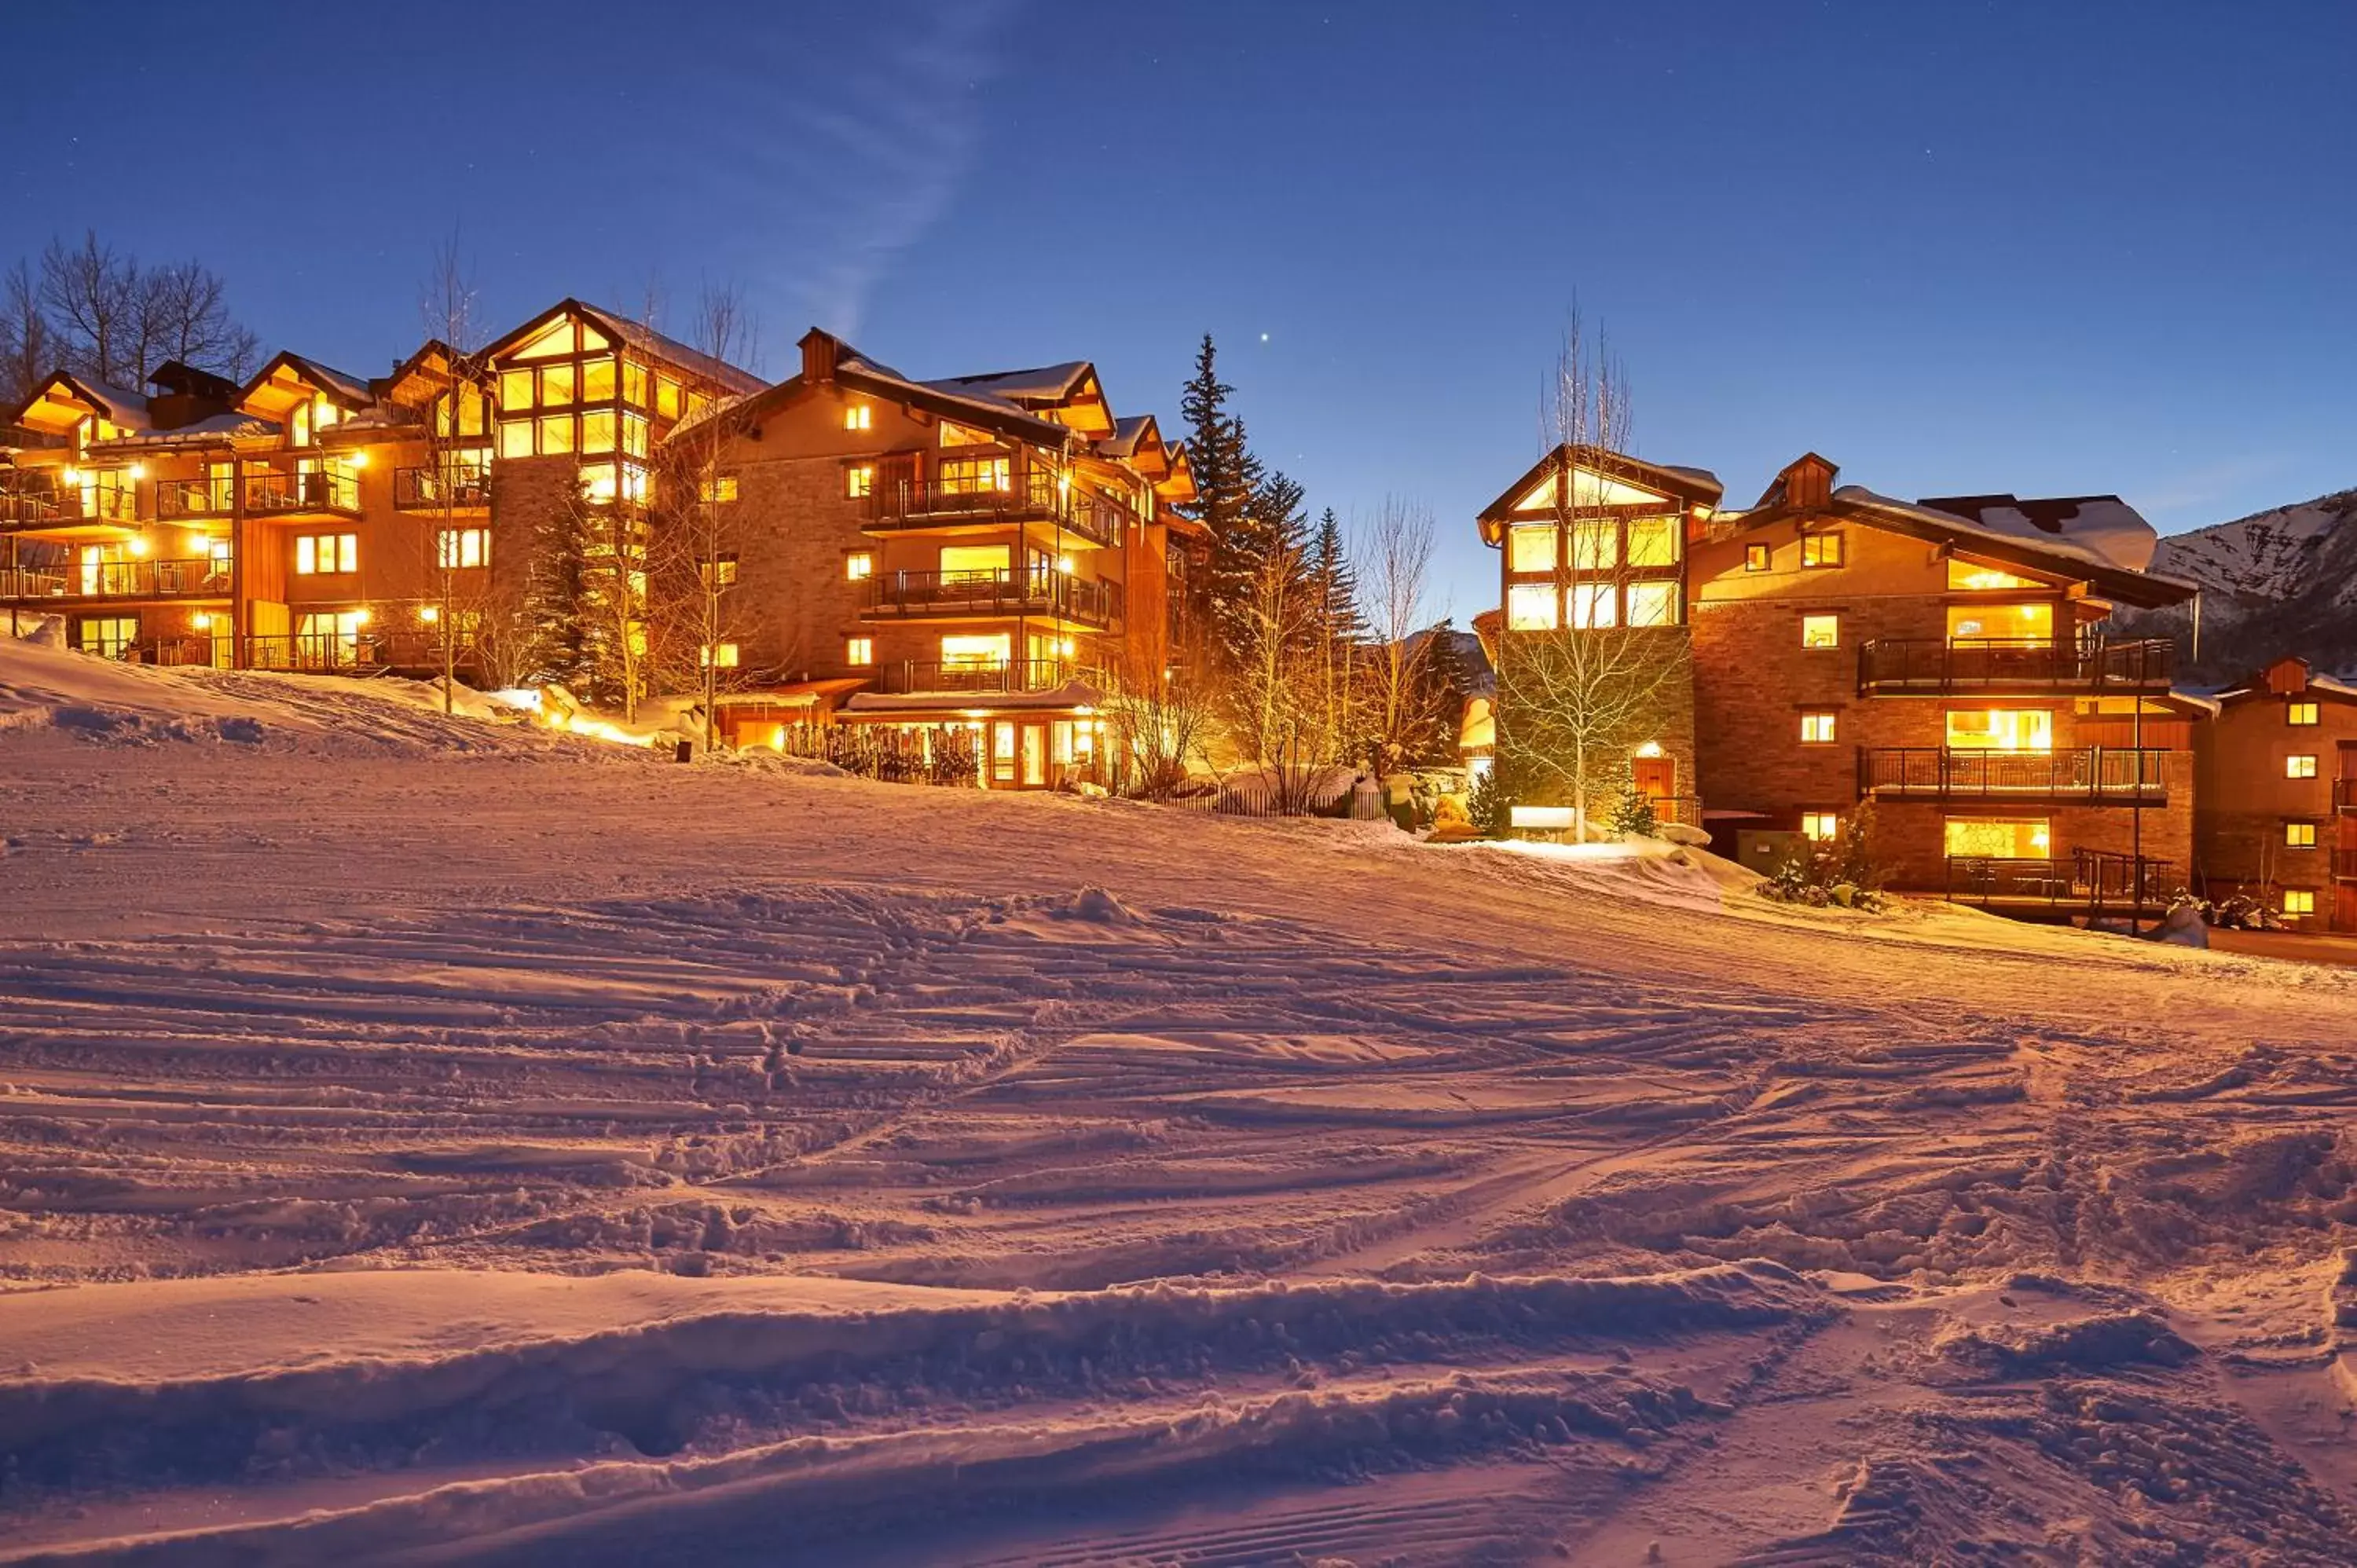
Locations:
(1336, 581)
(1334, 597)
(1227, 481)
(555, 633)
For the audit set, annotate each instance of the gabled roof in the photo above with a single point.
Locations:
(2288, 676)
(2034, 551)
(2104, 524)
(1129, 436)
(215, 430)
(120, 405)
(858, 371)
(351, 391)
(1041, 385)
(1696, 486)
(189, 380)
(655, 345)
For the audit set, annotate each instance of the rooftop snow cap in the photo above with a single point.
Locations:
(2105, 526)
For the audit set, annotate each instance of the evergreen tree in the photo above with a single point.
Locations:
(552, 613)
(1227, 481)
(1337, 582)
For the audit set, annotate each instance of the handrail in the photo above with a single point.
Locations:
(1000, 591)
(1036, 496)
(428, 488)
(314, 651)
(926, 675)
(2095, 772)
(1979, 663)
(115, 579)
(2090, 879)
(212, 497)
(274, 492)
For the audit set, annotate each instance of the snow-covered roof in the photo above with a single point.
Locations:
(1127, 434)
(999, 409)
(196, 433)
(1041, 383)
(662, 346)
(2105, 526)
(952, 704)
(2078, 553)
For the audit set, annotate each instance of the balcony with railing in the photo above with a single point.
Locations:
(1890, 666)
(2102, 775)
(441, 490)
(325, 652)
(322, 490)
(199, 652)
(199, 578)
(178, 500)
(2345, 864)
(2093, 882)
(896, 594)
(915, 677)
(905, 504)
(36, 500)
(2344, 794)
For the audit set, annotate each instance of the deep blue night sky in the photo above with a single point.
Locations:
(2041, 247)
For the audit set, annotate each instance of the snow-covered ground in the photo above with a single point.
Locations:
(429, 1138)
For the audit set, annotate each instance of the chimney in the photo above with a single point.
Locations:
(820, 352)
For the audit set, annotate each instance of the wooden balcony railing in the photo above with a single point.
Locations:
(438, 490)
(915, 676)
(1030, 498)
(179, 498)
(2104, 774)
(175, 650)
(317, 652)
(117, 580)
(1888, 665)
(1002, 593)
(322, 490)
(2090, 880)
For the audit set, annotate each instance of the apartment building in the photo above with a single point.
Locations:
(1946, 659)
(2276, 804)
(978, 560)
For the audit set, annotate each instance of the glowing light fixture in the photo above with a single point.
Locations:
(1651, 748)
(1065, 565)
(201, 621)
(430, 614)
(71, 476)
(359, 459)
(138, 545)
(360, 617)
(138, 470)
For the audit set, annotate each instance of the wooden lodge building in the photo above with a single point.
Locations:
(985, 553)
(2275, 797)
(1947, 658)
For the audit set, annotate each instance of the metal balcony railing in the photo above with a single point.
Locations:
(916, 676)
(180, 498)
(273, 494)
(329, 652)
(30, 500)
(2102, 774)
(174, 650)
(2344, 794)
(1028, 498)
(1001, 593)
(438, 490)
(2089, 880)
(116, 579)
(1987, 664)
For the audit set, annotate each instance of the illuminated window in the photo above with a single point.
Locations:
(515, 438)
(858, 568)
(1965, 577)
(109, 637)
(1533, 606)
(954, 434)
(1821, 826)
(1755, 558)
(2302, 767)
(2302, 713)
(973, 476)
(1653, 604)
(462, 547)
(977, 650)
(1821, 631)
(1821, 549)
(720, 489)
(515, 391)
(1817, 729)
(974, 560)
(1997, 838)
(859, 482)
(2298, 901)
(634, 435)
(666, 397)
(634, 383)
(1653, 542)
(859, 650)
(317, 555)
(556, 434)
(858, 416)
(2001, 729)
(1594, 546)
(2300, 836)
(720, 572)
(598, 379)
(298, 425)
(557, 338)
(718, 655)
(1531, 547)
(597, 431)
(2001, 623)
(1593, 605)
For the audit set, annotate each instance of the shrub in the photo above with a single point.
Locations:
(1486, 806)
(1633, 813)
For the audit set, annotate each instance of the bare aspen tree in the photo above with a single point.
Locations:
(458, 424)
(1577, 696)
(1394, 558)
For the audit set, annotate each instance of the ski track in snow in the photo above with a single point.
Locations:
(427, 1143)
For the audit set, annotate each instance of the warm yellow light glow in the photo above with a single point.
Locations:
(201, 621)
(1703, 514)
(138, 544)
(1065, 565)
(138, 470)
(430, 614)
(1651, 748)
(1820, 827)
(359, 460)
(858, 416)
(360, 617)
(198, 544)
(1548, 818)
(72, 476)
(976, 713)
(2001, 729)
(1064, 648)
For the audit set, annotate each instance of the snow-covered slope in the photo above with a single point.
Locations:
(512, 1152)
(2276, 582)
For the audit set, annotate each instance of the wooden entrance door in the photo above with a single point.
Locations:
(1656, 778)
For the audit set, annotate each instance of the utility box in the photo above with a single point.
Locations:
(1768, 852)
